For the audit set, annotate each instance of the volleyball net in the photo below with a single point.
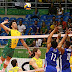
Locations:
(30, 36)
(21, 54)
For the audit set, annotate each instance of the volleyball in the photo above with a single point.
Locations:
(27, 6)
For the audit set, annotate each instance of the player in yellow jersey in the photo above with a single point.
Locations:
(15, 66)
(36, 62)
(71, 60)
(12, 43)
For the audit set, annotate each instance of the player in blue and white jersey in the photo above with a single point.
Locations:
(51, 53)
(64, 55)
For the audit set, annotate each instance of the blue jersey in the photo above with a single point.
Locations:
(51, 57)
(64, 59)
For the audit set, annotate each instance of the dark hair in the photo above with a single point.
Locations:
(13, 62)
(67, 44)
(54, 16)
(61, 17)
(36, 20)
(35, 50)
(68, 19)
(11, 23)
(20, 21)
(54, 44)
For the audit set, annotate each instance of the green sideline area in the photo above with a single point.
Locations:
(23, 11)
(23, 53)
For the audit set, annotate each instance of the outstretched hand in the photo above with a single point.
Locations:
(29, 52)
(67, 32)
(6, 21)
(59, 35)
(56, 28)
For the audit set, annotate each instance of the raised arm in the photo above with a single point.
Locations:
(62, 41)
(50, 38)
(51, 34)
(62, 50)
(25, 45)
(59, 36)
(4, 27)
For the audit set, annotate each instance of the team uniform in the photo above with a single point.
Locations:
(39, 63)
(14, 69)
(12, 43)
(50, 60)
(71, 62)
(64, 61)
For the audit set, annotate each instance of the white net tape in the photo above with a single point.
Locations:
(30, 36)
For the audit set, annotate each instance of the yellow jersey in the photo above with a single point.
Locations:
(12, 43)
(71, 62)
(14, 69)
(39, 63)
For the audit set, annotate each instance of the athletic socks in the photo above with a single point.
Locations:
(0, 62)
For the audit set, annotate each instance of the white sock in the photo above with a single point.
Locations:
(0, 62)
(3, 70)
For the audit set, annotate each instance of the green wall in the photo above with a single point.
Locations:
(22, 11)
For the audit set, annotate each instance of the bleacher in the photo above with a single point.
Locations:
(28, 22)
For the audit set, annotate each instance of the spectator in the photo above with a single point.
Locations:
(0, 30)
(15, 66)
(33, 44)
(69, 23)
(38, 42)
(21, 27)
(36, 14)
(40, 0)
(63, 23)
(44, 42)
(70, 30)
(29, 41)
(60, 10)
(43, 29)
(52, 10)
(71, 40)
(52, 27)
(61, 28)
(35, 28)
(53, 20)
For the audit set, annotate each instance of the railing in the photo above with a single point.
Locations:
(5, 4)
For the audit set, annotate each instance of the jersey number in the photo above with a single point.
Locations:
(68, 56)
(53, 57)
